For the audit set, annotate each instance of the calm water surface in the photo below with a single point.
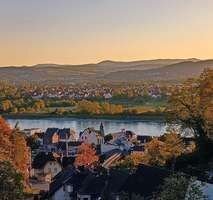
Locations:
(153, 128)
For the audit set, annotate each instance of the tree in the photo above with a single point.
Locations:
(131, 161)
(191, 106)
(167, 148)
(88, 107)
(13, 148)
(6, 146)
(154, 153)
(86, 156)
(39, 105)
(178, 187)
(32, 142)
(173, 146)
(206, 95)
(6, 106)
(11, 186)
(108, 137)
(21, 154)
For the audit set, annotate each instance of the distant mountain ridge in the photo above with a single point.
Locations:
(159, 69)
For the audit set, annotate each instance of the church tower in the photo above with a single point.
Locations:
(102, 129)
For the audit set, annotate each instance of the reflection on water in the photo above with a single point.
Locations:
(153, 128)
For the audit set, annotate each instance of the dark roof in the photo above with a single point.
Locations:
(68, 176)
(67, 161)
(48, 134)
(92, 129)
(138, 148)
(145, 180)
(144, 138)
(60, 179)
(51, 131)
(62, 145)
(96, 185)
(188, 140)
(129, 133)
(116, 180)
(93, 185)
(64, 133)
(41, 159)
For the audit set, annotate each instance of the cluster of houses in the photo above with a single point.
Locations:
(59, 147)
(54, 176)
(115, 184)
(92, 91)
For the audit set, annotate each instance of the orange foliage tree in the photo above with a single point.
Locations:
(6, 146)
(86, 156)
(13, 148)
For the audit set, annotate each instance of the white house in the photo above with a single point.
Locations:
(91, 136)
(32, 131)
(45, 166)
(106, 147)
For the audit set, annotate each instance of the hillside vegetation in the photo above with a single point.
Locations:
(161, 69)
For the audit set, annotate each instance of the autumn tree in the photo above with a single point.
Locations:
(86, 155)
(88, 107)
(131, 161)
(167, 148)
(6, 146)
(21, 154)
(154, 153)
(206, 98)
(6, 106)
(173, 146)
(191, 105)
(39, 105)
(13, 148)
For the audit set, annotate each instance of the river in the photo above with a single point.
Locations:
(140, 127)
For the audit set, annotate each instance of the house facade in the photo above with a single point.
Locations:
(45, 166)
(91, 136)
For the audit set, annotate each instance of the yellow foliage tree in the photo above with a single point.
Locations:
(154, 153)
(191, 105)
(158, 152)
(131, 161)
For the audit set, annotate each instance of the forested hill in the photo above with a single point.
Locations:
(161, 69)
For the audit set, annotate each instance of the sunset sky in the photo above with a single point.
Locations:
(88, 31)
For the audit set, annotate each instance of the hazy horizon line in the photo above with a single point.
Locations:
(106, 60)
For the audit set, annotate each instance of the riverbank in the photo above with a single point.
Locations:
(142, 117)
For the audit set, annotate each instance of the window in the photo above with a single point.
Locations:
(69, 188)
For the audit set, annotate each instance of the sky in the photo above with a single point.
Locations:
(89, 31)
